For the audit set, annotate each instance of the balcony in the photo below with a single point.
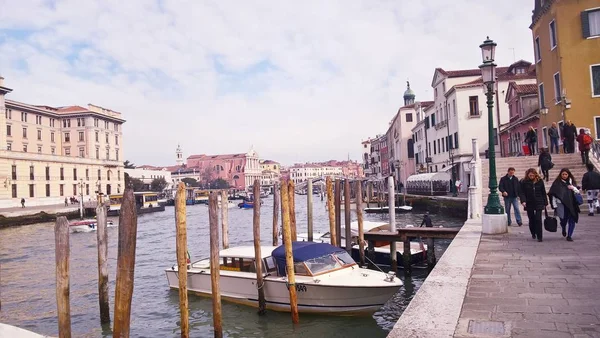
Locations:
(441, 125)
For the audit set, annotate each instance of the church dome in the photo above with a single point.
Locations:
(409, 93)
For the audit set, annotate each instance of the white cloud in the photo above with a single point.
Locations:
(335, 71)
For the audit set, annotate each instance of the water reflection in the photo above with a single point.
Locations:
(28, 280)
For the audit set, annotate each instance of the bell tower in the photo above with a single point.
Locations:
(179, 154)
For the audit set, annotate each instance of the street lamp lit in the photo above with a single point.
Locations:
(488, 50)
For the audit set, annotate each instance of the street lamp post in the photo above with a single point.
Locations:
(81, 198)
(453, 173)
(495, 220)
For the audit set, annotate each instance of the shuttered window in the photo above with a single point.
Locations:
(590, 23)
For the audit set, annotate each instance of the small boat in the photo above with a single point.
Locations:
(328, 281)
(145, 202)
(385, 210)
(7, 330)
(87, 225)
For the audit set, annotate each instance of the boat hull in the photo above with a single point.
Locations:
(312, 298)
(385, 210)
(116, 212)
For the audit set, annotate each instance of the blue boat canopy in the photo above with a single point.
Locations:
(302, 251)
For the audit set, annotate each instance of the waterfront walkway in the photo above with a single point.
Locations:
(521, 288)
(51, 209)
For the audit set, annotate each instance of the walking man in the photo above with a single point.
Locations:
(22, 202)
(509, 187)
(591, 185)
(553, 134)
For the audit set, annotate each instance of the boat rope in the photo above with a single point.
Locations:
(261, 286)
(377, 266)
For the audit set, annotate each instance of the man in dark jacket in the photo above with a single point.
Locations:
(554, 136)
(509, 187)
(591, 185)
(570, 133)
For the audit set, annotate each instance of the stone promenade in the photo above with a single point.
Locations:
(522, 288)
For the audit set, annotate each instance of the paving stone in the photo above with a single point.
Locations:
(575, 309)
(548, 301)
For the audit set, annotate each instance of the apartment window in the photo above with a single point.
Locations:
(74, 189)
(595, 76)
(67, 151)
(108, 175)
(434, 147)
(9, 146)
(409, 117)
(116, 127)
(444, 87)
(474, 106)
(456, 140)
(105, 124)
(75, 174)
(590, 23)
(14, 172)
(52, 122)
(542, 96)
(52, 150)
(87, 189)
(38, 120)
(108, 154)
(8, 114)
(97, 153)
(557, 89)
(87, 174)
(433, 120)
(106, 137)
(24, 132)
(95, 122)
(8, 130)
(81, 152)
(552, 34)
(24, 117)
(450, 142)
(439, 146)
(14, 191)
(62, 189)
(39, 149)
(99, 174)
(67, 137)
(81, 136)
(47, 173)
(97, 137)
(435, 93)
(52, 137)
(537, 50)
(81, 122)
(39, 135)
(62, 174)
(116, 154)
(24, 148)
(31, 190)
(119, 175)
(67, 123)
(117, 136)
(47, 190)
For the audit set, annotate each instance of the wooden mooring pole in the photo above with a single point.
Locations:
(431, 260)
(289, 258)
(406, 256)
(359, 216)
(102, 239)
(338, 212)
(125, 264)
(292, 210)
(224, 220)
(347, 218)
(309, 209)
(213, 217)
(181, 250)
(262, 304)
(62, 249)
(275, 214)
(331, 211)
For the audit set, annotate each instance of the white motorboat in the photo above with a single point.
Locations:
(87, 225)
(327, 279)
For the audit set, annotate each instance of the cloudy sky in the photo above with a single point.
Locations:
(298, 80)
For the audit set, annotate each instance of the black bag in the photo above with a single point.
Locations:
(550, 223)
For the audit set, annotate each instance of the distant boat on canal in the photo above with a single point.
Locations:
(386, 210)
(328, 281)
(87, 225)
(145, 202)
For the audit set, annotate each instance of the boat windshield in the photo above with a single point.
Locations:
(322, 264)
(344, 258)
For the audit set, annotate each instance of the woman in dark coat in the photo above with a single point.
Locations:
(545, 163)
(562, 192)
(534, 199)
(531, 140)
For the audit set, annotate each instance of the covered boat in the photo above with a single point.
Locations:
(327, 279)
(87, 225)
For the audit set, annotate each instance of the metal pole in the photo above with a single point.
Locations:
(81, 200)
(392, 214)
(309, 208)
(493, 206)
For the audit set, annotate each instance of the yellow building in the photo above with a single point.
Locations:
(566, 39)
(48, 154)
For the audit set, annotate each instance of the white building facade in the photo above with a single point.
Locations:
(148, 174)
(302, 172)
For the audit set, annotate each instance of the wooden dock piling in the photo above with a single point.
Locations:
(224, 218)
(102, 239)
(275, 214)
(359, 217)
(213, 217)
(331, 211)
(262, 304)
(309, 209)
(125, 264)
(181, 250)
(289, 258)
(338, 212)
(431, 260)
(347, 218)
(62, 253)
(292, 209)
(406, 256)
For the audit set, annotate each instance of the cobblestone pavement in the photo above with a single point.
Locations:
(547, 289)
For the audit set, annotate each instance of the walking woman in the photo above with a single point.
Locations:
(531, 140)
(534, 199)
(562, 192)
(545, 163)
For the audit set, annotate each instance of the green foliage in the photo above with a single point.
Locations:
(190, 182)
(128, 165)
(158, 184)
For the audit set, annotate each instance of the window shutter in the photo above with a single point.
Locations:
(585, 24)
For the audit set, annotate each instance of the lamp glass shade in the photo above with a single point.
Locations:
(488, 72)
(488, 50)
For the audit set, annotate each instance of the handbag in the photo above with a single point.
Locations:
(579, 198)
(550, 223)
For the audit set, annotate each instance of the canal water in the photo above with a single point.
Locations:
(27, 279)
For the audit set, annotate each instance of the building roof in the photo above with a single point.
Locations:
(217, 157)
(539, 10)
(269, 162)
(459, 73)
(502, 74)
(66, 110)
(424, 104)
(525, 89)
